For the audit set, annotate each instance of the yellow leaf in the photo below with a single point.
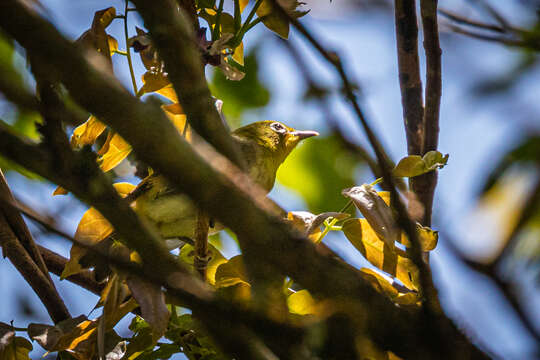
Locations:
(301, 303)
(117, 151)
(231, 272)
(113, 44)
(379, 282)
(60, 191)
(92, 228)
(87, 133)
(169, 93)
(238, 55)
(243, 4)
(176, 114)
(379, 254)
(428, 238)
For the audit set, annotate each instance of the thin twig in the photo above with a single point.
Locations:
(128, 49)
(469, 22)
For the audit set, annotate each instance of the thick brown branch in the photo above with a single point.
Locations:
(409, 74)
(40, 283)
(56, 264)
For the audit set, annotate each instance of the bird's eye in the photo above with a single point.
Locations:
(277, 127)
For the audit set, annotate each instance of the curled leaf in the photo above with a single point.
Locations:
(13, 347)
(87, 133)
(117, 149)
(377, 213)
(414, 165)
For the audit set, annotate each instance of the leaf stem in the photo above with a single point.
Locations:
(377, 181)
(128, 51)
(245, 27)
(237, 16)
(216, 31)
(327, 228)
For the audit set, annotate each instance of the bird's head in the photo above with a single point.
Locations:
(265, 145)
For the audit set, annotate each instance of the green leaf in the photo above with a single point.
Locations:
(414, 165)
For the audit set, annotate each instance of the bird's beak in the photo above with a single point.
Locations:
(303, 134)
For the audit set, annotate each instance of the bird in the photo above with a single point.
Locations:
(264, 146)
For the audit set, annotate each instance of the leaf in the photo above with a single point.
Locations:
(143, 45)
(156, 81)
(13, 347)
(428, 238)
(273, 19)
(96, 38)
(243, 4)
(77, 336)
(152, 302)
(377, 213)
(60, 191)
(231, 72)
(414, 165)
(92, 228)
(301, 303)
(231, 273)
(87, 133)
(238, 54)
(117, 150)
(176, 114)
(391, 260)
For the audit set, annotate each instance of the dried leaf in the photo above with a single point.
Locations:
(301, 303)
(152, 302)
(60, 191)
(87, 133)
(117, 150)
(414, 165)
(13, 347)
(143, 45)
(309, 224)
(377, 213)
(96, 38)
(230, 72)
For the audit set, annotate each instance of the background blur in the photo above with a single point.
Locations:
(490, 104)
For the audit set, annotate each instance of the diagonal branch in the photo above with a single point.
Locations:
(178, 48)
(20, 251)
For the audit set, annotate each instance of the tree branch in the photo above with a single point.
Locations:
(219, 188)
(23, 254)
(178, 48)
(409, 74)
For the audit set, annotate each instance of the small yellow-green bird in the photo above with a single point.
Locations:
(264, 146)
